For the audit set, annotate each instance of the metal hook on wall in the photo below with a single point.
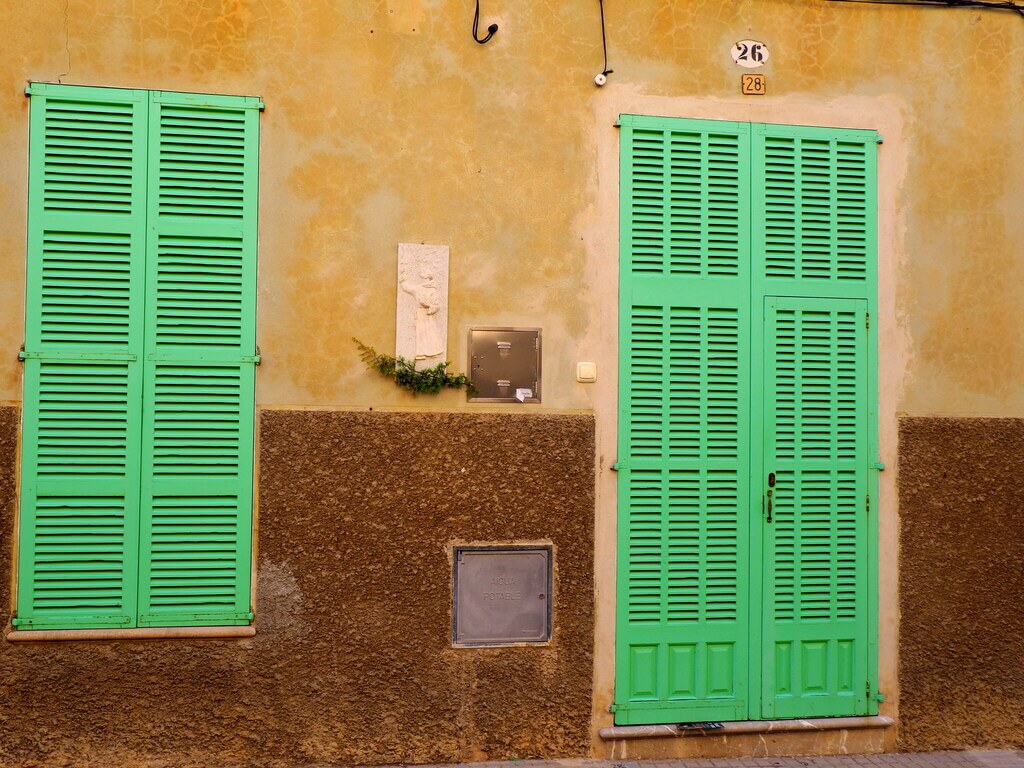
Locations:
(476, 27)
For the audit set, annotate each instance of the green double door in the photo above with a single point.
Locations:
(746, 575)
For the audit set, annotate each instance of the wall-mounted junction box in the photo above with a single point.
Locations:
(504, 365)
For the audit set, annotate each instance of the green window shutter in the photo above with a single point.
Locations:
(80, 443)
(198, 402)
(816, 435)
(683, 547)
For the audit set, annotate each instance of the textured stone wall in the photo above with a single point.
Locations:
(961, 488)
(352, 661)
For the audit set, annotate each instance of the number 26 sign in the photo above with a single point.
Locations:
(750, 53)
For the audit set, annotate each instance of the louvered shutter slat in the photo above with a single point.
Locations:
(200, 342)
(80, 443)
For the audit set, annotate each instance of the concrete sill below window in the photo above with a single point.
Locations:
(747, 726)
(139, 633)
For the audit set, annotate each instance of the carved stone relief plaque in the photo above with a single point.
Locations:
(421, 325)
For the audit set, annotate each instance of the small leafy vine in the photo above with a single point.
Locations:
(429, 381)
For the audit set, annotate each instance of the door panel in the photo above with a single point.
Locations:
(684, 428)
(816, 514)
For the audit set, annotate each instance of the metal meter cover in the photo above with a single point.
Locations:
(504, 365)
(502, 595)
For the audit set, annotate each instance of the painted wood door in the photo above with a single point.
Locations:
(683, 544)
(724, 613)
(816, 508)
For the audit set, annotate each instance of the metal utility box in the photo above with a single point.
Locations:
(502, 595)
(504, 364)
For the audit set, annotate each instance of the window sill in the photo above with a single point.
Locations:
(135, 633)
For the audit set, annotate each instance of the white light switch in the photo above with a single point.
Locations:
(586, 373)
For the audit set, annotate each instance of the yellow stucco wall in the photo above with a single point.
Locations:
(386, 123)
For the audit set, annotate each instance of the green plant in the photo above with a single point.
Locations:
(429, 381)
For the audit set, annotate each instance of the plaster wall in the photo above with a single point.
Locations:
(385, 123)
(961, 583)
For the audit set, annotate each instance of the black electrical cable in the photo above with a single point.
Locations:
(604, 42)
(996, 5)
(476, 27)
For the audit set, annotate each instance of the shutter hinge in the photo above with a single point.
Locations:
(867, 320)
(21, 353)
(258, 357)
(612, 708)
(16, 622)
(80, 356)
(879, 139)
(867, 690)
(867, 503)
(251, 615)
(615, 467)
(879, 465)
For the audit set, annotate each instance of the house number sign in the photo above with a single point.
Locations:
(753, 85)
(750, 54)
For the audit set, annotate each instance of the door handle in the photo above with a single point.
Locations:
(770, 494)
(769, 506)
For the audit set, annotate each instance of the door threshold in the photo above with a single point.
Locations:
(746, 726)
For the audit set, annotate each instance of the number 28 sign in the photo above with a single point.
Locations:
(750, 53)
